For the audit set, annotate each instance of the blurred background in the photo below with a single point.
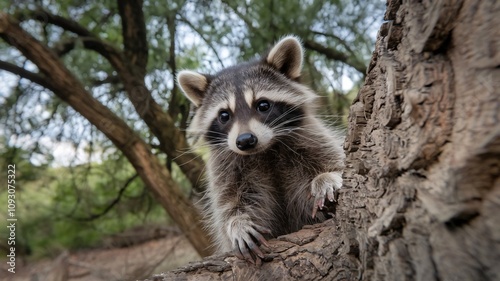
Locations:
(84, 210)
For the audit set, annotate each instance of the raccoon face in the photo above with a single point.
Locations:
(251, 121)
(249, 107)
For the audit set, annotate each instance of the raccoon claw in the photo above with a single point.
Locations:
(263, 230)
(323, 186)
(318, 204)
(246, 247)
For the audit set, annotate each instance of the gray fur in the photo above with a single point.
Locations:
(277, 185)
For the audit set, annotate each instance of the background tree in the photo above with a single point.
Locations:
(100, 77)
(422, 184)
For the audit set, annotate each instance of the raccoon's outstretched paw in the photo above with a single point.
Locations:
(322, 186)
(247, 240)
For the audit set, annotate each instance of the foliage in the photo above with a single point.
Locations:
(69, 207)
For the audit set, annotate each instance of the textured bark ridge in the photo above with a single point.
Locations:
(422, 185)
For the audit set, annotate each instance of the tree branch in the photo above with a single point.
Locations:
(64, 46)
(338, 39)
(313, 253)
(334, 55)
(90, 41)
(23, 73)
(46, 17)
(173, 106)
(111, 79)
(110, 206)
(134, 33)
(201, 34)
(172, 141)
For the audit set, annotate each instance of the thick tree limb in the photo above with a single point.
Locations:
(155, 176)
(172, 141)
(313, 253)
(134, 33)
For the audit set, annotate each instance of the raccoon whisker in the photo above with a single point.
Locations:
(309, 129)
(182, 164)
(299, 137)
(289, 121)
(284, 114)
(288, 124)
(194, 148)
(305, 127)
(202, 132)
(225, 165)
(288, 147)
(309, 135)
(330, 115)
(298, 118)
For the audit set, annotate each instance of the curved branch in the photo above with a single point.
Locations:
(335, 55)
(200, 33)
(46, 17)
(23, 73)
(90, 41)
(336, 38)
(110, 206)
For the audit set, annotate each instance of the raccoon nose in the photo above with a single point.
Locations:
(246, 141)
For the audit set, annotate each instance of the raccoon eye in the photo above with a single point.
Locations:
(263, 106)
(224, 116)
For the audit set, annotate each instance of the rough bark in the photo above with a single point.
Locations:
(64, 84)
(422, 185)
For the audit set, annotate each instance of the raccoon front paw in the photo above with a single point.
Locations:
(323, 185)
(244, 235)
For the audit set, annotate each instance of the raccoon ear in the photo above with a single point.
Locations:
(193, 85)
(286, 57)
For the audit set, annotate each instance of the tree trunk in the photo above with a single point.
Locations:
(421, 199)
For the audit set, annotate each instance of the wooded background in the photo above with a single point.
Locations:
(421, 193)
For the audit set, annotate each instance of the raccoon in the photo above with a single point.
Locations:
(271, 160)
